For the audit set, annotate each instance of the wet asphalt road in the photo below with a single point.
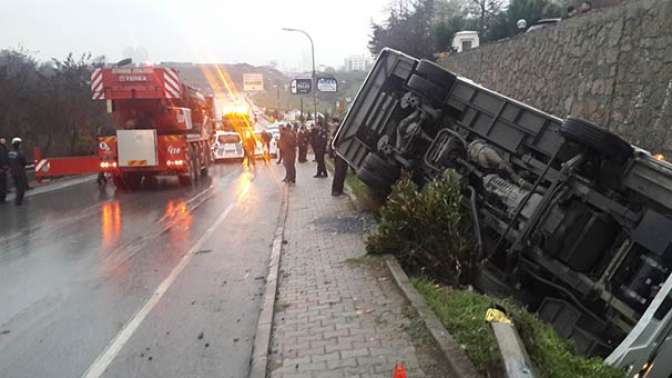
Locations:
(78, 267)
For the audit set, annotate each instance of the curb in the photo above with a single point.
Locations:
(458, 362)
(262, 338)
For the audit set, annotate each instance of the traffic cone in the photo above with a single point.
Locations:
(399, 370)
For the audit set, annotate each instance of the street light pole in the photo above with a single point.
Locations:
(314, 77)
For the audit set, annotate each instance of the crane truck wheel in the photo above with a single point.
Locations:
(191, 175)
(132, 180)
(196, 164)
(205, 168)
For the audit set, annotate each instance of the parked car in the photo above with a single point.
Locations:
(227, 145)
(574, 221)
(543, 23)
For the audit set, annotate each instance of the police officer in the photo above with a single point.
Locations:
(302, 140)
(340, 169)
(288, 141)
(4, 167)
(17, 168)
(320, 139)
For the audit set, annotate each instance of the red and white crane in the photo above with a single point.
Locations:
(162, 126)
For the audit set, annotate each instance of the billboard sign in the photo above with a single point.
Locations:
(301, 86)
(327, 84)
(253, 82)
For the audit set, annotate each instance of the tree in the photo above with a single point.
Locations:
(486, 12)
(529, 10)
(49, 104)
(451, 16)
(408, 28)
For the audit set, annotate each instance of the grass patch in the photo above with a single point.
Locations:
(462, 313)
(365, 200)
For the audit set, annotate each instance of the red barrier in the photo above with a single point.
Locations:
(67, 166)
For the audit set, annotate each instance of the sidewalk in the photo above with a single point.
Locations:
(337, 313)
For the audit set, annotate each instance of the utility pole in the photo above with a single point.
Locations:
(314, 76)
(302, 118)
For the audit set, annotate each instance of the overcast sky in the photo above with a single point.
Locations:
(228, 31)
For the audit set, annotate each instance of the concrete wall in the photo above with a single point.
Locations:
(612, 66)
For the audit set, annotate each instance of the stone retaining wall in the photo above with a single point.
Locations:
(612, 66)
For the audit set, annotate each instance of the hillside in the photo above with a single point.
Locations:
(197, 75)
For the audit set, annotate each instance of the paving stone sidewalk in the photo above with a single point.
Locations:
(337, 313)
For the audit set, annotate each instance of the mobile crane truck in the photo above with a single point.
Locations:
(162, 126)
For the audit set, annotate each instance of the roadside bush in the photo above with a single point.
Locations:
(426, 229)
(462, 312)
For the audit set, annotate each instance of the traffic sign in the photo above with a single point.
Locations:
(253, 82)
(301, 86)
(327, 84)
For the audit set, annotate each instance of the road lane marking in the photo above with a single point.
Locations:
(114, 347)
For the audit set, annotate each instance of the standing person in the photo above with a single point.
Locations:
(281, 146)
(340, 169)
(266, 140)
(312, 137)
(290, 156)
(249, 144)
(4, 167)
(320, 147)
(302, 140)
(17, 167)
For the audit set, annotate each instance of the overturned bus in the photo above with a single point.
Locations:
(573, 220)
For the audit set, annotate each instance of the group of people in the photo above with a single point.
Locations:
(293, 137)
(12, 162)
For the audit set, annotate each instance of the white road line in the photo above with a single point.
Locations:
(114, 347)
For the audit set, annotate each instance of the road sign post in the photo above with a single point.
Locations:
(327, 84)
(253, 82)
(301, 86)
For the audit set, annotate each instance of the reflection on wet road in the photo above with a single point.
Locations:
(77, 265)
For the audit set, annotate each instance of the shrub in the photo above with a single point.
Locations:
(426, 229)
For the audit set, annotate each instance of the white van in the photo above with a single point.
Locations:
(228, 145)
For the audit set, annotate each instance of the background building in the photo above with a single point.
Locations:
(357, 63)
